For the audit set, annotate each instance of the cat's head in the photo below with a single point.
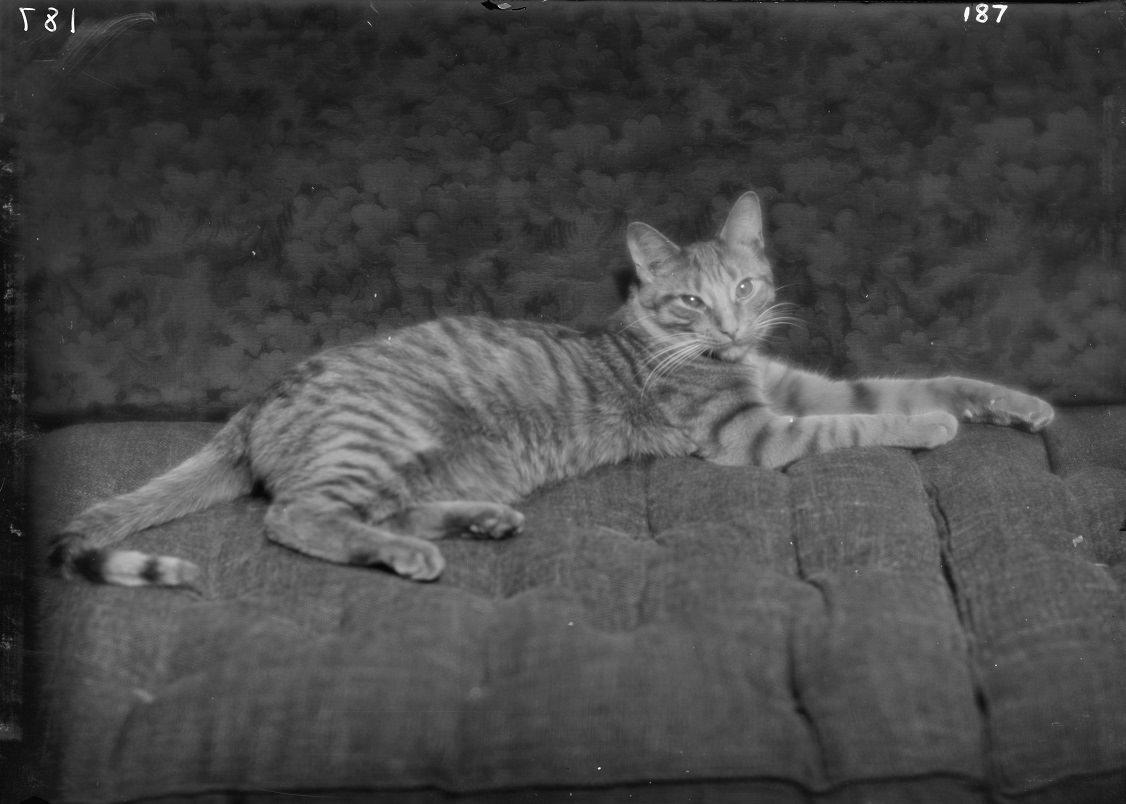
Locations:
(713, 297)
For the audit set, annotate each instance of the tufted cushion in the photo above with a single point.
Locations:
(869, 625)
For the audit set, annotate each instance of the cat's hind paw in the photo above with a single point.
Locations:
(411, 558)
(495, 522)
(477, 520)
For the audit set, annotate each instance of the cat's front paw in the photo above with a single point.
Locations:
(934, 429)
(1009, 408)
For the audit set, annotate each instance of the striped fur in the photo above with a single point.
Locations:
(371, 451)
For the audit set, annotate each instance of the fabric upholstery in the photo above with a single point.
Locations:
(868, 625)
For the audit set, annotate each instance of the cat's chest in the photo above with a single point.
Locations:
(698, 397)
(643, 427)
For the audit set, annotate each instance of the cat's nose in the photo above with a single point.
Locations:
(728, 324)
(730, 330)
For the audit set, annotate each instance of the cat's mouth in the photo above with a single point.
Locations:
(732, 352)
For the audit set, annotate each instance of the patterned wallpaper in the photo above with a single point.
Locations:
(216, 189)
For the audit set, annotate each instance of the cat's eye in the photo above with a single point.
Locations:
(745, 288)
(694, 302)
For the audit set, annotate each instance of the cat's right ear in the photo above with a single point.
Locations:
(653, 254)
(743, 226)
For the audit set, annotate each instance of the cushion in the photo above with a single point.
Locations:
(867, 625)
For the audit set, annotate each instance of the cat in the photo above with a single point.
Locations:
(368, 452)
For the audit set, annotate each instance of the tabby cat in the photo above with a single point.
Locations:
(370, 451)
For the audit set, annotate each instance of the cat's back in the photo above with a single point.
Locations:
(447, 353)
(436, 371)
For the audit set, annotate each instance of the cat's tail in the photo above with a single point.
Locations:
(220, 471)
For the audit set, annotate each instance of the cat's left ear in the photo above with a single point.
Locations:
(743, 226)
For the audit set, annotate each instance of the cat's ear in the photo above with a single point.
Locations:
(652, 252)
(743, 226)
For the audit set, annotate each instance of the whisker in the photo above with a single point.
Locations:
(674, 355)
(783, 321)
(778, 315)
(671, 345)
(781, 307)
(669, 349)
(639, 318)
(636, 320)
(772, 338)
(671, 364)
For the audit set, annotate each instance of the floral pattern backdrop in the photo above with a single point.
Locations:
(209, 191)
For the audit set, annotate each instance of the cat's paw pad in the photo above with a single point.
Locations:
(1013, 408)
(497, 522)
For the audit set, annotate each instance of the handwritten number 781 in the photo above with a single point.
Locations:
(49, 23)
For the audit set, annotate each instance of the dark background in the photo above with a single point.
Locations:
(206, 198)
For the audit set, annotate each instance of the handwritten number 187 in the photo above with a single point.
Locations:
(49, 23)
(981, 12)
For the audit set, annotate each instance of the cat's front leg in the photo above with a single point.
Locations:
(983, 402)
(765, 438)
(797, 392)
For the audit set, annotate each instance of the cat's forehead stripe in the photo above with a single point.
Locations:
(708, 262)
